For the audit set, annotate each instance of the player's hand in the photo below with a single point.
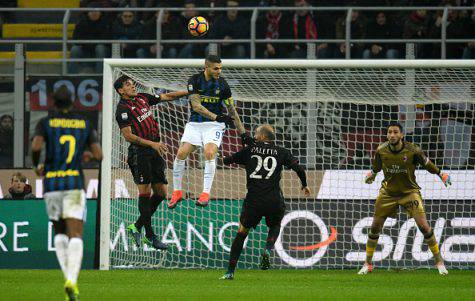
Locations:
(370, 176)
(160, 148)
(246, 139)
(445, 177)
(87, 156)
(306, 191)
(228, 120)
(39, 170)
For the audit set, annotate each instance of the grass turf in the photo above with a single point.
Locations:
(248, 285)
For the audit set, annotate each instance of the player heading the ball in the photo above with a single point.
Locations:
(398, 159)
(208, 93)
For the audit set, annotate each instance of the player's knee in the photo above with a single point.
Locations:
(428, 234)
(209, 154)
(374, 232)
(181, 155)
(243, 230)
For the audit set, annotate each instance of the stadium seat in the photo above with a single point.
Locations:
(35, 31)
(48, 3)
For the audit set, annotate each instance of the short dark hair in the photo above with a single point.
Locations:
(119, 83)
(21, 177)
(268, 132)
(212, 58)
(395, 123)
(62, 98)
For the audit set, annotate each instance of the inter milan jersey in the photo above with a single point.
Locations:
(66, 135)
(264, 163)
(137, 114)
(399, 167)
(214, 94)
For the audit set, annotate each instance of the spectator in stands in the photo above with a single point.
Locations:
(191, 50)
(457, 28)
(126, 27)
(417, 27)
(171, 30)
(230, 27)
(380, 29)
(211, 15)
(469, 50)
(358, 31)
(6, 141)
(19, 189)
(273, 25)
(303, 26)
(92, 27)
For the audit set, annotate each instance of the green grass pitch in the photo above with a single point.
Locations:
(248, 285)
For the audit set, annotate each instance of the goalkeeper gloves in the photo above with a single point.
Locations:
(445, 177)
(370, 176)
(247, 140)
(228, 120)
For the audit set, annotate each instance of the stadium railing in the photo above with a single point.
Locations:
(252, 41)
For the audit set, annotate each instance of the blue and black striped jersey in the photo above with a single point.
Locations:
(214, 94)
(66, 135)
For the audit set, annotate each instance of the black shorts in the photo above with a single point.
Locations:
(147, 169)
(252, 213)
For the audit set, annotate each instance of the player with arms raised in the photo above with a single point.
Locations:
(398, 160)
(66, 134)
(264, 162)
(208, 92)
(140, 129)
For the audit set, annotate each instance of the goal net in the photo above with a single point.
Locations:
(332, 115)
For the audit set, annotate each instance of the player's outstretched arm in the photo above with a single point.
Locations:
(233, 112)
(170, 96)
(36, 147)
(130, 137)
(300, 171)
(376, 166)
(432, 168)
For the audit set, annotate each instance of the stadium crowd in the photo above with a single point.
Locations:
(275, 24)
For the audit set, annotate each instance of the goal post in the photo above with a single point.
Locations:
(331, 114)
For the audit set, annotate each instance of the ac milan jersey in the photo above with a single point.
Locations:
(264, 163)
(137, 114)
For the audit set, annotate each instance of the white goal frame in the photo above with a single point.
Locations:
(108, 110)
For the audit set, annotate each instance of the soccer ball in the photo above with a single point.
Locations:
(198, 26)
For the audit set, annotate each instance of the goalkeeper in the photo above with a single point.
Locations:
(398, 160)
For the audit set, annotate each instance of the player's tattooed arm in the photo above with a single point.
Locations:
(233, 112)
(199, 108)
(170, 96)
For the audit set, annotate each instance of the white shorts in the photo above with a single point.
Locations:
(202, 133)
(66, 204)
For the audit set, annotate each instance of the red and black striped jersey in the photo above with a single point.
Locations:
(137, 114)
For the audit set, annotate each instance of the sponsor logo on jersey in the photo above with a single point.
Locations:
(144, 116)
(209, 99)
